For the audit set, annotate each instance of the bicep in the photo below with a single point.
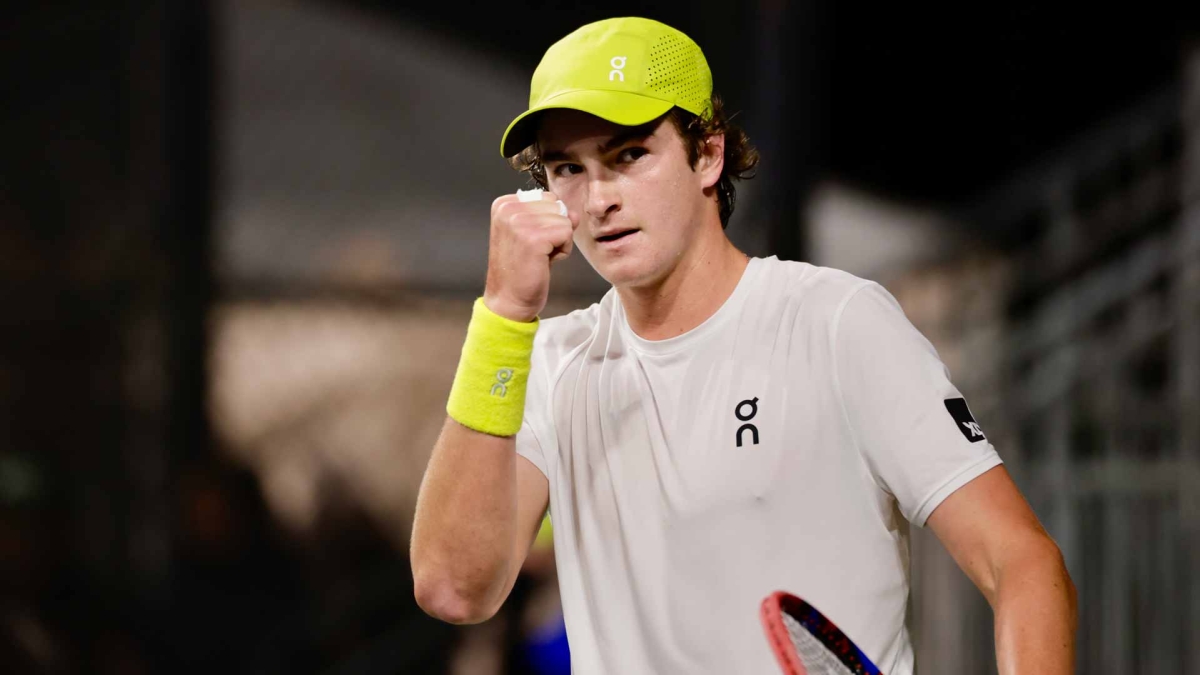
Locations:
(985, 524)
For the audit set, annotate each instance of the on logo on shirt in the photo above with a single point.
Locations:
(752, 405)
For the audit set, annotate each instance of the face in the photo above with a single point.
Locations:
(642, 208)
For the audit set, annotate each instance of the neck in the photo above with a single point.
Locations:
(692, 292)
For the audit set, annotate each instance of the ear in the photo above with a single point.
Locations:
(711, 160)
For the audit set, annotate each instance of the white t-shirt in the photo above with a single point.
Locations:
(784, 444)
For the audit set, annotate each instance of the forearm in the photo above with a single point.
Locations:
(1035, 610)
(466, 520)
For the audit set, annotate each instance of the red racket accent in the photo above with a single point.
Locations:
(777, 634)
(806, 642)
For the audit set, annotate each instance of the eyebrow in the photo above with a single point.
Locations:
(638, 133)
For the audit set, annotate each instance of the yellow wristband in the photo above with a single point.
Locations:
(489, 389)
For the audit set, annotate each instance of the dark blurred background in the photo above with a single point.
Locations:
(239, 241)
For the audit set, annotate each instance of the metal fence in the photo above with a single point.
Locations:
(1088, 381)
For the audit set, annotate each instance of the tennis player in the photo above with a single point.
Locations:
(715, 428)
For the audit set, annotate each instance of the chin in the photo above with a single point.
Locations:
(628, 273)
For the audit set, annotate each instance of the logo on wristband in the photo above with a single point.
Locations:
(503, 376)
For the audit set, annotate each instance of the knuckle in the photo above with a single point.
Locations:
(513, 220)
(522, 219)
(525, 230)
(503, 211)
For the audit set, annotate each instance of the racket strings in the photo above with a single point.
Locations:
(817, 658)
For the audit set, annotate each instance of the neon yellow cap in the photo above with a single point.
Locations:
(627, 71)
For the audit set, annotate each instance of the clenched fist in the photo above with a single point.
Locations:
(526, 237)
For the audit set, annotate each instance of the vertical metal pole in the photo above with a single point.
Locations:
(789, 125)
(1186, 345)
(1116, 632)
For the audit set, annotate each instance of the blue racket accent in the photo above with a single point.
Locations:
(829, 635)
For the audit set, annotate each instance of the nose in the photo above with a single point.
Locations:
(603, 197)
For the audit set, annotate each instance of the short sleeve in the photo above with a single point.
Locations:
(912, 426)
(530, 448)
(534, 435)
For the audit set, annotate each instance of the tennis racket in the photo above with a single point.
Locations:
(807, 643)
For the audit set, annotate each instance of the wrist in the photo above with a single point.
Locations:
(509, 310)
(488, 394)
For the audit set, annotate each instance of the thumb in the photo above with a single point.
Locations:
(573, 216)
(546, 195)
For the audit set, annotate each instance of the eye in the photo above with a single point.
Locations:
(631, 154)
(566, 169)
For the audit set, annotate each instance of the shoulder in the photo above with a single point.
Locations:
(819, 293)
(558, 337)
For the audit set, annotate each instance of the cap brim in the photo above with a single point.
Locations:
(618, 107)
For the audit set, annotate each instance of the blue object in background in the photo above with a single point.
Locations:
(546, 649)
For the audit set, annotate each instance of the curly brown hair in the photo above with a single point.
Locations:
(741, 158)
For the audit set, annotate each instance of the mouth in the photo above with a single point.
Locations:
(616, 236)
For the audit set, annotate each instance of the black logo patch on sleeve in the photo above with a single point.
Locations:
(957, 407)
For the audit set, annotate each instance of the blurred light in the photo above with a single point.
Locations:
(20, 481)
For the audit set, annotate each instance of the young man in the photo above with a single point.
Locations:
(716, 427)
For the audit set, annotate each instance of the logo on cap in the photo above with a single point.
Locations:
(618, 64)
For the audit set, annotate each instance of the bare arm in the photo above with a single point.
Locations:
(478, 510)
(997, 540)
(480, 503)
